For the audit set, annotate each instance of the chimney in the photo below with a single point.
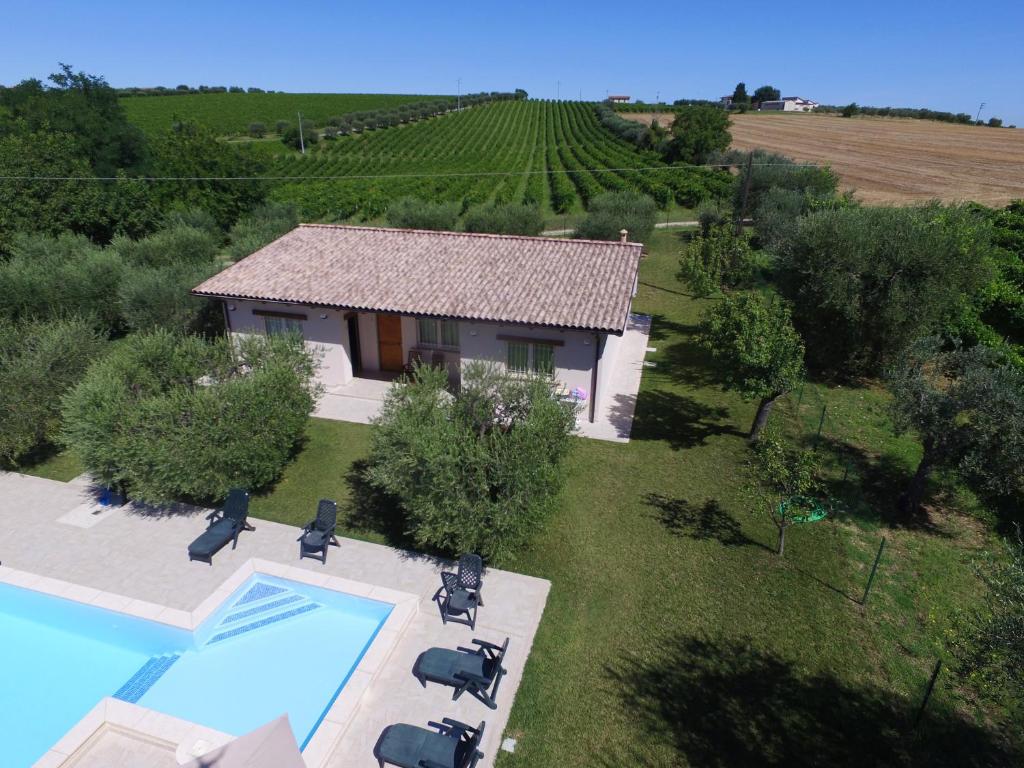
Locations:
(623, 235)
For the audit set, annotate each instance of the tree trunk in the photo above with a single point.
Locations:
(761, 417)
(782, 540)
(910, 500)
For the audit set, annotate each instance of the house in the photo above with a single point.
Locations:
(726, 101)
(789, 104)
(373, 299)
(619, 99)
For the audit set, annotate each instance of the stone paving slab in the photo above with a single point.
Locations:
(138, 554)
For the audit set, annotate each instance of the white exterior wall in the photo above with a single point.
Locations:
(609, 359)
(324, 329)
(574, 360)
(327, 330)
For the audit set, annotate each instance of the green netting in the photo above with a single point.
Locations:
(804, 510)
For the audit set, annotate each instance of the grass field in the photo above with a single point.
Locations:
(891, 160)
(554, 154)
(231, 113)
(673, 635)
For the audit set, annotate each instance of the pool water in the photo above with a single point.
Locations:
(274, 647)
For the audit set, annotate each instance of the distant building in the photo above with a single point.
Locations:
(619, 99)
(789, 104)
(726, 101)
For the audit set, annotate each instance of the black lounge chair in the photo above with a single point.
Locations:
(409, 746)
(225, 525)
(319, 532)
(477, 670)
(461, 591)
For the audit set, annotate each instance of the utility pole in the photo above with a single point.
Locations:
(739, 221)
(302, 144)
(657, 98)
(458, 101)
(980, 107)
(558, 91)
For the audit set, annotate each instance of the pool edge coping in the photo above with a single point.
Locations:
(335, 721)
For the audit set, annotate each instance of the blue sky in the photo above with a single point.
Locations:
(943, 55)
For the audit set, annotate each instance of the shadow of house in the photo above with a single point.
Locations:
(725, 704)
(680, 420)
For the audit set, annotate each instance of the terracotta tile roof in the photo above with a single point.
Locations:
(584, 284)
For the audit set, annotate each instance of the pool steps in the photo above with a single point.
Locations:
(144, 679)
(261, 605)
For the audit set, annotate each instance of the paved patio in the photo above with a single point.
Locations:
(360, 400)
(48, 530)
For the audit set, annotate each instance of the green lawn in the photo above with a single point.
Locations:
(673, 635)
(63, 466)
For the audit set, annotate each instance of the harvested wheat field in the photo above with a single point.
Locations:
(889, 160)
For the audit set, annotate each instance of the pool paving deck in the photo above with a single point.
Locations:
(134, 559)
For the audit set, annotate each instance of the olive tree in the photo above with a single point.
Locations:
(611, 212)
(167, 417)
(39, 362)
(867, 282)
(477, 470)
(967, 408)
(760, 354)
(413, 213)
(719, 259)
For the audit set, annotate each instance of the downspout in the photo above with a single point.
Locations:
(593, 376)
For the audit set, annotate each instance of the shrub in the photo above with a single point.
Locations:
(170, 417)
(257, 130)
(261, 226)
(697, 132)
(505, 219)
(611, 212)
(866, 282)
(413, 213)
(760, 354)
(174, 246)
(987, 640)
(39, 362)
(717, 260)
(160, 297)
(293, 139)
(53, 276)
(475, 471)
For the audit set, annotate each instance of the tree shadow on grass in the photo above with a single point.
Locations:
(370, 509)
(702, 522)
(869, 486)
(681, 421)
(724, 703)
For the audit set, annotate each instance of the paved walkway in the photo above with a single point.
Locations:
(140, 553)
(659, 225)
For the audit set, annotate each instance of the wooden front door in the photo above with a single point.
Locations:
(389, 338)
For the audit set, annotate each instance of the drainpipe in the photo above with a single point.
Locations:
(593, 376)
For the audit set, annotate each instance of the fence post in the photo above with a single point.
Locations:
(874, 568)
(821, 423)
(928, 693)
(799, 399)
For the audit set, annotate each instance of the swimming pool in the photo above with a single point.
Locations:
(274, 646)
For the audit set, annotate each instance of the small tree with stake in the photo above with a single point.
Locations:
(760, 353)
(786, 476)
